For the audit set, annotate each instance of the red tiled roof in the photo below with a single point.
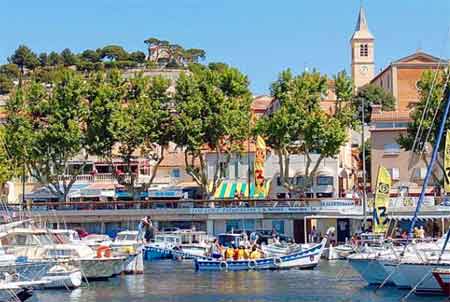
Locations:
(391, 116)
(261, 103)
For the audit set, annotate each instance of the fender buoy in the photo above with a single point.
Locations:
(311, 258)
(252, 264)
(277, 261)
(223, 265)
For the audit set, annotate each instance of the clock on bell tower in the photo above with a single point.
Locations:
(363, 52)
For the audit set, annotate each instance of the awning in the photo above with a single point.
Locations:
(169, 192)
(44, 193)
(228, 189)
(420, 217)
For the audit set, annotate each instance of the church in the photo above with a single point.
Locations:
(400, 79)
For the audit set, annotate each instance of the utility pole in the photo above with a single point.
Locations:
(248, 161)
(363, 144)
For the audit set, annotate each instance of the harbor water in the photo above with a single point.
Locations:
(172, 281)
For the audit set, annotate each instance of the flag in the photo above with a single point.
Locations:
(380, 221)
(447, 163)
(260, 159)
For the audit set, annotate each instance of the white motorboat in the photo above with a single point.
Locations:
(36, 244)
(127, 243)
(63, 276)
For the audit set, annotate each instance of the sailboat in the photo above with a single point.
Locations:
(365, 262)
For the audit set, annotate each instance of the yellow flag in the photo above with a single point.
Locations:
(380, 222)
(260, 159)
(447, 163)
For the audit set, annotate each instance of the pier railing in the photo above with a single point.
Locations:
(179, 204)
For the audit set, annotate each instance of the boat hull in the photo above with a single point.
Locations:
(414, 273)
(370, 270)
(156, 253)
(306, 259)
(396, 277)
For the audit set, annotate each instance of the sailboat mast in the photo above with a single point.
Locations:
(433, 159)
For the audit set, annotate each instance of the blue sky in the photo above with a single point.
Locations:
(259, 37)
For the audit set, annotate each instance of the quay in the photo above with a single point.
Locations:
(291, 217)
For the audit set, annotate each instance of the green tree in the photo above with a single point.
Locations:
(68, 58)
(11, 71)
(43, 59)
(6, 84)
(91, 56)
(114, 53)
(301, 127)
(45, 130)
(212, 112)
(423, 129)
(54, 59)
(8, 167)
(24, 58)
(142, 125)
(193, 55)
(372, 94)
(138, 57)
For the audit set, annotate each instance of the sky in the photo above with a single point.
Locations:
(260, 37)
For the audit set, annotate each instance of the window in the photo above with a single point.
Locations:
(300, 180)
(278, 226)
(325, 180)
(240, 224)
(278, 180)
(364, 50)
(176, 173)
(419, 173)
(224, 171)
(395, 173)
(391, 149)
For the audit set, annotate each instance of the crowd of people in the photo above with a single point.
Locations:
(234, 252)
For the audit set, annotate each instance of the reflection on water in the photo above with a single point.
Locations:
(178, 282)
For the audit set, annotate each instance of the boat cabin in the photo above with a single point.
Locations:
(127, 236)
(65, 236)
(167, 240)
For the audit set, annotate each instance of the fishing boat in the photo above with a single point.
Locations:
(305, 259)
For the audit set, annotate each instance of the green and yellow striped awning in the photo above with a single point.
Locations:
(228, 189)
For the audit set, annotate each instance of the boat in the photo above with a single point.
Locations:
(304, 259)
(127, 243)
(442, 277)
(36, 244)
(63, 276)
(161, 247)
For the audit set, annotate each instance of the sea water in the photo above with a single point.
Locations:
(173, 281)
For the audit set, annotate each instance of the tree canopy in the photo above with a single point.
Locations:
(301, 127)
(372, 94)
(45, 130)
(212, 112)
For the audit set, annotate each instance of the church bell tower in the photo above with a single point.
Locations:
(363, 52)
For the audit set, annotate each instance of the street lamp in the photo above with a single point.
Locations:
(363, 143)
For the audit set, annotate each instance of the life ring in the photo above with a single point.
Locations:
(103, 251)
(277, 261)
(223, 265)
(252, 264)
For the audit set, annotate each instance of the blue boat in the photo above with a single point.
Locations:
(304, 259)
(161, 247)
